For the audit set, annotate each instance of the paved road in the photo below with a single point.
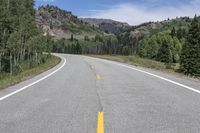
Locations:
(132, 101)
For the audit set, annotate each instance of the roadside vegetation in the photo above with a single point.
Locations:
(8, 80)
(138, 61)
(21, 43)
(176, 46)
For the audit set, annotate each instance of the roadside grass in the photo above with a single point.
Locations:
(138, 61)
(8, 80)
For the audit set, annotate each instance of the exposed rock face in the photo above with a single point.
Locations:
(107, 25)
(62, 24)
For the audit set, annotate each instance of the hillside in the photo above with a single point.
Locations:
(107, 25)
(154, 27)
(62, 24)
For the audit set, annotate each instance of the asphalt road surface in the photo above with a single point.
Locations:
(67, 99)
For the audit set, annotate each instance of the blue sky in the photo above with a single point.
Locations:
(131, 11)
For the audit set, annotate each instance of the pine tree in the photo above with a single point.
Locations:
(72, 37)
(179, 33)
(173, 32)
(165, 54)
(190, 57)
(78, 48)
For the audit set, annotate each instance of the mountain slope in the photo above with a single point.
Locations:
(62, 24)
(154, 27)
(107, 25)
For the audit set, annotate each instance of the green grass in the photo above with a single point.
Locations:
(8, 80)
(138, 61)
(146, 63)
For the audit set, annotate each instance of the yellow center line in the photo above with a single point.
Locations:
(98, 77)
(100, 123)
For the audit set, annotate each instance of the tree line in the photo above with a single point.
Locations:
(70, 46)
(21, 41)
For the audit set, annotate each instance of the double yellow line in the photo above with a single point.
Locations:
(100, 123)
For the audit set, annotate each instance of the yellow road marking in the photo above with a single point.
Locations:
(98, 77)
(100, 123)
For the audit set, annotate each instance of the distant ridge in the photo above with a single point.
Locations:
(107, 25)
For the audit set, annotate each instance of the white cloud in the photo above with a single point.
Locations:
(137, 14)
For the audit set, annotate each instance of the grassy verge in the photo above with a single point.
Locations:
(138, 61)
(27, 74)
(146, 63)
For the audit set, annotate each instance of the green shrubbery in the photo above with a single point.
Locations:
(175, 46)
(161, 46)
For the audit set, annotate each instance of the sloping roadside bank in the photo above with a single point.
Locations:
(8, 80)
(145, 63)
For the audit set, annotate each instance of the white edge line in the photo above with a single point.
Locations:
(151, 74)
(25, 87)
